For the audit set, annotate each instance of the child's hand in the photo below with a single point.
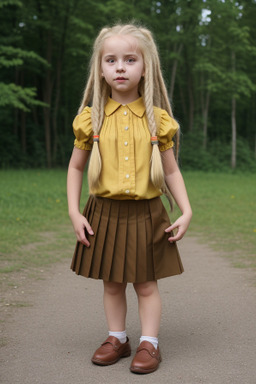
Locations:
(181, 224)
(81, 226)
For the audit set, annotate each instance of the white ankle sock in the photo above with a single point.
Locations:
(121, 336)
(152, 340)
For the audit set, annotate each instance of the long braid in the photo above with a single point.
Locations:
(155, 94)
(99, 100)
(99, 95)
(156, 171)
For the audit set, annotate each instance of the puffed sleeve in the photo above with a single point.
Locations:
(166, 130)
(82, 127)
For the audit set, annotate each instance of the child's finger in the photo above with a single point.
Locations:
(88, 228)
(81, 237)
(171, 228)
(85, 242)
(177, 236)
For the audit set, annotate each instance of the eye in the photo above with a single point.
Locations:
(131, 60)
(111, 61)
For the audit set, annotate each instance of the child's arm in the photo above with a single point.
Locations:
(74, 186)
(175, 183)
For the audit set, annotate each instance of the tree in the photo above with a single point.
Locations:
(207, 51)
(234, 51)
(13, 57)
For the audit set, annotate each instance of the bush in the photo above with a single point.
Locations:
(217, 155)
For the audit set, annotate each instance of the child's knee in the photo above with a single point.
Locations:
(114, 288)
(146, 289)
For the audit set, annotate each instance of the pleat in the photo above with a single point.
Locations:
(145, 271)
(131, 248)
(100, 222)
(166, 258)
(77, 261)
(118, 264)
(110, 245)
(88, 253)
(75, 265)
(150, 262)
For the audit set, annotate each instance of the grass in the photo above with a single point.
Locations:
(224, 213)
(32, 202)
(34, 226)
(35, 229)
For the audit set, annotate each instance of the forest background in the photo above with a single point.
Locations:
(207, 50)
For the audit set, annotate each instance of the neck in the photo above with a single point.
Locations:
(124, 98)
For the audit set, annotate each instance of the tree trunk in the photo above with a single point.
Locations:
(205, 118)
(191, 103)
(23, 136)
(255, 148)
(23, 132)
(47, 96)
(233, 119)
(16, 110)
(183, 102)
(55, 111)
(233, 122)
(174, 71)
(58, 83)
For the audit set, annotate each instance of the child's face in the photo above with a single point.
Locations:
(122, 67)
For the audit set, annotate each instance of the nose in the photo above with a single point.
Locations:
(120, 66)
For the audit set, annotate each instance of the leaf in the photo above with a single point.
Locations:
(12, 95)
(4, 3)
(10, 56)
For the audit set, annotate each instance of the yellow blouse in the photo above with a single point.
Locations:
(125, 148)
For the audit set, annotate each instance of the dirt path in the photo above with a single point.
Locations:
(208, 332)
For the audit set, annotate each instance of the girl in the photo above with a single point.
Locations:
(124, 234)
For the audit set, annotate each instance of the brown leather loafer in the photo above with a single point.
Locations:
(111, 351)
(147, 358)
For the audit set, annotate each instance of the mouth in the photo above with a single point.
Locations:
(120, 78)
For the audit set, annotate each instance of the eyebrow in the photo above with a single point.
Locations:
(126, 54)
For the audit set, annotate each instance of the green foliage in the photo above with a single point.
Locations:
(18, 97)
(4, 3)
(10, 56)
(13, 95)
(216, 157)
(44, 67)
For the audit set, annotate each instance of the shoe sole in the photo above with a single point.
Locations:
(105, 363)
(145, 371)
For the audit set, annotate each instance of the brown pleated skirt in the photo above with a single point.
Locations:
(129, 242)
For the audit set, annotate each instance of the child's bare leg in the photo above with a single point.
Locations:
(115, 305)
(117, 344)
(150, 307)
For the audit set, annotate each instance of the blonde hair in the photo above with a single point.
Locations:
(151, 88)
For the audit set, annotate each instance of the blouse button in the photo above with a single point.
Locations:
(125, 113)
(127, 176)
(126, 158)
(126, 128)
(127, 191)
(126, 143)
